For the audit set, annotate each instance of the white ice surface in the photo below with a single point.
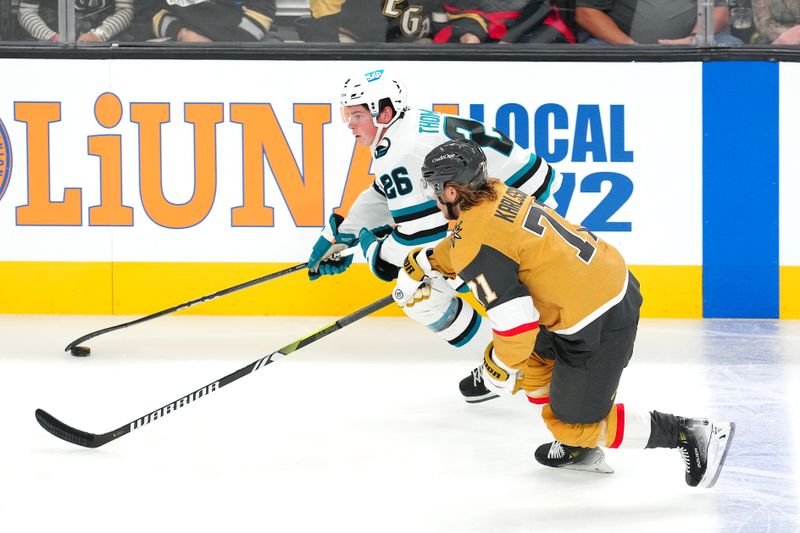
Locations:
(365, 431)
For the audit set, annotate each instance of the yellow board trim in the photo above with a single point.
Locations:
(293, 294)
(55, 288)
(790, 293)
(670, 291)
(144, 288)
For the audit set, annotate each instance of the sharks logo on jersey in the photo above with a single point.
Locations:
(383, 147)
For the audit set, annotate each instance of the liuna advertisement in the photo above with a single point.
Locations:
(129, 184)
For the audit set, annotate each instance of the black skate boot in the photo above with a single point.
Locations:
(557, 455)
(472, 388)
(704, 446)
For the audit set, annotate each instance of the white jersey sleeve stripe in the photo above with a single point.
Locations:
(513, 313)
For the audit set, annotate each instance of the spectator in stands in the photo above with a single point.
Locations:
(95, 20)
(777, 21)
(350, 21)
(480, 21)
(659, 22)
(202, 21)
(141, 28)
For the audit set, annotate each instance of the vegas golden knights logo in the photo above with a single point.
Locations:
(455, 235)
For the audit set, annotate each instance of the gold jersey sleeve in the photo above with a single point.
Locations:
(440, 259)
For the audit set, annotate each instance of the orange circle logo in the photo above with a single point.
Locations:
(5, 160)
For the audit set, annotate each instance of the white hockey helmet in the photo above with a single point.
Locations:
(372, 89)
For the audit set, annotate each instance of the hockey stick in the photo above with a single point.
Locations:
(92, 440)
(82, 351)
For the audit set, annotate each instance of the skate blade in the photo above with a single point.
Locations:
(598, 468)
(721, 444)
(480, 399)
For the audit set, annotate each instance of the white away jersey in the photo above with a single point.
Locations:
(396, 196)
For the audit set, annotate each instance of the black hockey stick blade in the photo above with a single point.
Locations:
(185, 305)
(68, 433)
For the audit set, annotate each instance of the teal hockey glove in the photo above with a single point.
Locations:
(371, 242)
(324, 259)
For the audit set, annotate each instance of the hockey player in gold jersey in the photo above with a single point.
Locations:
(564, 310)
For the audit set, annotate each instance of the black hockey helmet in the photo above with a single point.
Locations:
(459, 161)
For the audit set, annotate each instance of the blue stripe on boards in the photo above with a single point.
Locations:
(740, 190)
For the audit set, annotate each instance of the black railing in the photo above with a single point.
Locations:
(392, 51)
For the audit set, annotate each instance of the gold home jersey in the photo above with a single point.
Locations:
(381, 21)
(528, 266)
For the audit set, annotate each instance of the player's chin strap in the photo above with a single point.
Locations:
(451, 214)
(383, 127)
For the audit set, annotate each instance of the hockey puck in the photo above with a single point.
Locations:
(80, 351)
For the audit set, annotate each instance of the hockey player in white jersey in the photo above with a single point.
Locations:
(374, 106)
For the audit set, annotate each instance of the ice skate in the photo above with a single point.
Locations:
(704, 446)
(557, 455)
(473, 389)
